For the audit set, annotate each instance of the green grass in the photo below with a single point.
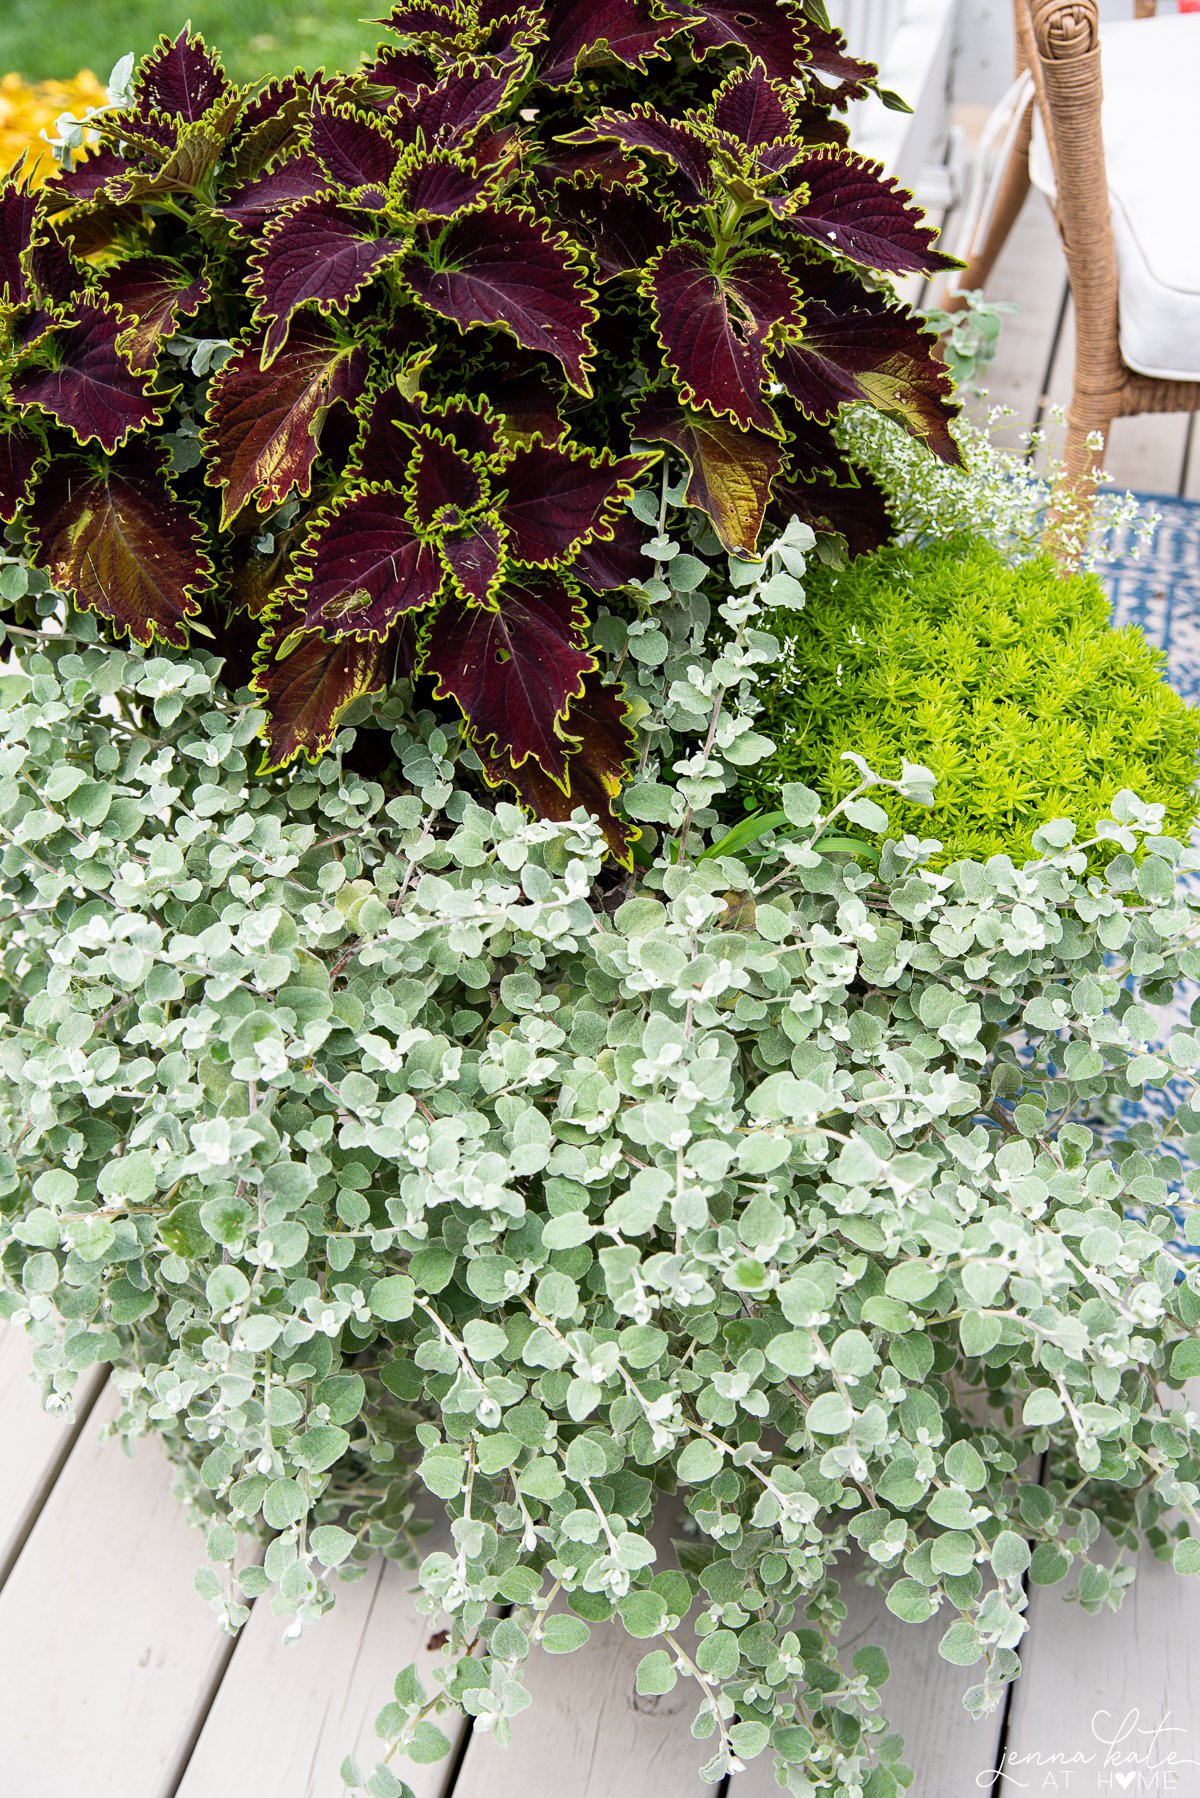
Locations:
(52, 39)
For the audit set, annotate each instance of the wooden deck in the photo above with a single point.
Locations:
(114, 1682)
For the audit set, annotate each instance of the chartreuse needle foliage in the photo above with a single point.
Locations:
(387, 1146)
(1007, 682)
(353, 373)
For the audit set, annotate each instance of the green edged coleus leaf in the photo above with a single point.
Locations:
(857, 347)
(443, 482)
(92, 388)
(154, 295)
(264, 425)
(308, 687)
(363, 566)
(730, 469)
(180, 78)
(645, 129)
(452, 109)
(716, 325)
(18, 211)
(582, 33)
(503, 266)
(113, 536)
(253, 204)
(600, 745)
(356, 153)
(553, 498)
(318, 253)
(20, 451)
(514, 667)
(850, 205)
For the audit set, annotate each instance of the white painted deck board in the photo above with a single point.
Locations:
(36, 1442)
(109, 1658)
(287, 1714)
(1085, 1677)
(922, 1702)
(588, 1734)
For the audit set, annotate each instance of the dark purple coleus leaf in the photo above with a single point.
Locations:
(469, 423)
(355, 152)
(856, 511)
(441, 480)
(581, 33)
(553, 499)
(772, 30)
(264, 425)
(600, 745)
(318, 253)
(424, 19)
(55, 278)
(502, 266)
(387, 449)
(402, 70)
(92, 390)
(732, 469)
(645, 129)
(84, 181)
(825, 50)
(118, 541)
(447, 113)
(443, 184)
(715, 328)
(596, 161)
(363, 566)
(604, 564)
(851, 206)
(307, 691)
(18, 211)
(298, 177)
(473, 553)
(513, 668)
(180, 79)
(20, 451)
(856, 347)
(624, 231)
(269, 126)
(153, 295)
(749, 108)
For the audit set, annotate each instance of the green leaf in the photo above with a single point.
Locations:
(656, 1674)
(642, 1612)
(563, 1633)
(961, 1645)
(331, 1544)
(701, 1460)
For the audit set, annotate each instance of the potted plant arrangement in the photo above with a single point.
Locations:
(468, 1037)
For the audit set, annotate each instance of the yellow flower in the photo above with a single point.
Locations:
(27, 108)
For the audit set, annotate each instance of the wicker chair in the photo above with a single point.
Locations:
(1058, 42)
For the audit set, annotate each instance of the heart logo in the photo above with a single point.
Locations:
(1125, 1780)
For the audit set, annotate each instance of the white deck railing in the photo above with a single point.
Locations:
(911, 41)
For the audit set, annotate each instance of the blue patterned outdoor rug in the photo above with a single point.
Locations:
(1159, 591)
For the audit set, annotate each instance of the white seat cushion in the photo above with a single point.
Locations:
(1151, 124)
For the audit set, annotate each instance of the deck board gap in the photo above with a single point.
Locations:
(204, 1711)
(71, 1432)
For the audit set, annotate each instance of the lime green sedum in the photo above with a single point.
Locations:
(1007, 682)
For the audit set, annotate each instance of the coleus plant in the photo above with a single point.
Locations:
(467, 295)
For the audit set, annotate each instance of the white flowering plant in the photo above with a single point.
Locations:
(391, 1148)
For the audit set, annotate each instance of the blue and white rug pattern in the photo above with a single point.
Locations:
(1159, 591)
